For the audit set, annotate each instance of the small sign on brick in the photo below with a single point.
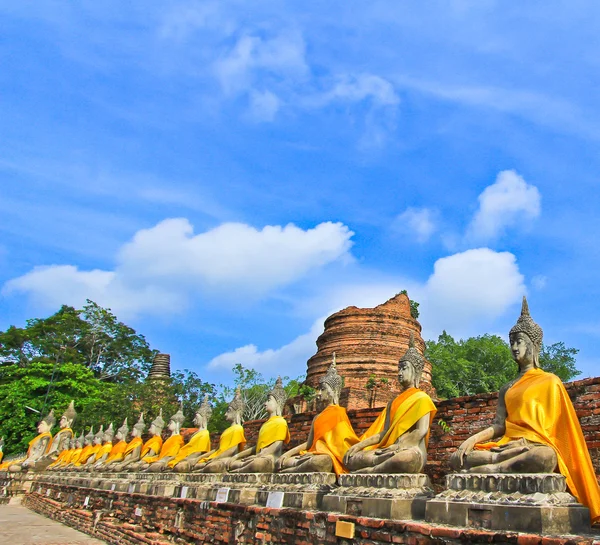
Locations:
(184, 491)
(275, 499)
(222, 495)
(138, 511)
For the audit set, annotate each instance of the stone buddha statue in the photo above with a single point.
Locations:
(94, 450)
(231, 442)
(397, 441)
(133, 450)
(199, 443)
(1, 447)
(117, 450)
(71, 456)
(171, 447)
(38, 446)
(272, 435)
(151, 447)
(64, 455)
(104, 451)
(330, 436)
(536, 429)
(77, 461)
(60, 441)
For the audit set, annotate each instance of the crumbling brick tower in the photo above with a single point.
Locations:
(368, 343)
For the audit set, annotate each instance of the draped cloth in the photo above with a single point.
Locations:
(104, 449)
(132, 445)
(539, 410)
(274, 429)
(232, 436)
(32, 444)
(405, 411)
(83, 455)
(169, 448)
(153, 444)
(73, 457)
(199, 442)
(62, 457)
(333, 435)
(116, 452)
(94, 449)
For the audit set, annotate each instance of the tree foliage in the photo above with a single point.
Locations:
(485, 363)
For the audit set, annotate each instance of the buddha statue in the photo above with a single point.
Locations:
(397, 441)
(117, 450)
(76, 461)
(199, 443)
(72, 455)
(133, 450)
(231, 442)
(60, 441)
(272, 435)
(170, 447)
(104, 451)
(535, 429)
(93, 452)
(150, 448)
(1, 447)
(330, 436)
(38, 446)
(64, 455)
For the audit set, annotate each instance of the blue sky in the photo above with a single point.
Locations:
(223, 175)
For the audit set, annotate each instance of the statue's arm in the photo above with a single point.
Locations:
(294, 451)
(244, 453)
(134, 455)
(226, 453)
(274, 448)
(415, 435)
(40, 449)
(373, 440)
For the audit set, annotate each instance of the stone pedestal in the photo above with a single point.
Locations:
(533, 502)
(300, 490)
(390, 496)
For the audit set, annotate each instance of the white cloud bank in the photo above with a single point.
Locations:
(162, 266)
(505, 203)
(465, 293)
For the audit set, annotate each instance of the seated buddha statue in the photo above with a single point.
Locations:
(117, 450)
(70, 456)
(272, 435)
(104, 451)
(231, 442)
(330, 436)
(133, 450)
(76, 461)
(60, 441)
(536, 429)
(86, 464)
(170, 447)
(64, 455)
(397, 441)
(38, 446)
(150, 448)
(199, 443)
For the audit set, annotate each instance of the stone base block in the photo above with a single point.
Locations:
(533, 502)
(391, 496)
(300, 490)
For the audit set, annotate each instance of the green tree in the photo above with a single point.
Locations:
(485, 363)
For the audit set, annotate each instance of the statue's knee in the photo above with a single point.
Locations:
(455, 462)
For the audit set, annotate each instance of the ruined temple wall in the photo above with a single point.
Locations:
(459, 418)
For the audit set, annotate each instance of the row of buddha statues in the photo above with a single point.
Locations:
(535, 430)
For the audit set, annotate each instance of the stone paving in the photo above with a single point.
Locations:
(20, 526)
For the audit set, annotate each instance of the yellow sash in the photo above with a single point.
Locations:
(83, 455)
(154, 443)
(539, 410)
(132, 445)
(74, 457)
(116, 452)
(170, 448)
(232, 436)
(274, 429)
(199, 442)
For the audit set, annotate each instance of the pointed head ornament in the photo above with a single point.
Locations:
(414, 357)
(525, 324)
(331, 378)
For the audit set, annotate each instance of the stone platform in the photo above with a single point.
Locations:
(391, 496)
(529, 502)
(297, 490)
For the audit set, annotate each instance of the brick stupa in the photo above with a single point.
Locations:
(368, 342)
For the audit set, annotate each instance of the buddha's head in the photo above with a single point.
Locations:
(109, 434)
(47, 423)
(89, 438)
(139, 427)
(236, 408)
(99, 436)
(80, 441)
(176, 421)
(157, 425)
(330, 386)
(122, 431)
(276, 399)
(410, 366)
(72, 443)
(66, 420)
(203, 414)
(526, 339)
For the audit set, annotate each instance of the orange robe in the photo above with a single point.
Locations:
(199, 442)
(94, 449)
(169, 448)
(116, 453)
(83, 455)
(73, 457)
(405, 411)
(132, 445)
(274, 429)
(64, 455)
(153, 444)
(332, 435)
(539, 410)
(104, 449)
(232, 436)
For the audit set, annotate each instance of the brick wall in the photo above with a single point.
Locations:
(136, 519)
(461, 417)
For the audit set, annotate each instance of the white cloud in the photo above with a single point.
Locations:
(539, 282)
(264, 105)
(162, 266)
(507, 202)
(464, 295)
(419, 222)
(354, 88)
